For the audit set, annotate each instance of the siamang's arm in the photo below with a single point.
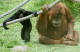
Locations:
(13, 17)
(17, 15)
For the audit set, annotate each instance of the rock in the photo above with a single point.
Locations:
(77, 0)
(20, 48)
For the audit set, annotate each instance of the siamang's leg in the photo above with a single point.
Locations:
(27, 33)
(23, 33)
(26, 29)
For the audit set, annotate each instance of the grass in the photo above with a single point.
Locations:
(10, 38)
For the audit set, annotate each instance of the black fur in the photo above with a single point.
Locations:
(27, 26)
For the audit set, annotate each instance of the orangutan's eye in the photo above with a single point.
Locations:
(55, 16)
(59, 15)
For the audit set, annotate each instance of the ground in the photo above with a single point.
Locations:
(10, 38)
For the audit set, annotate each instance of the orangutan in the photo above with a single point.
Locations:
(55, 25)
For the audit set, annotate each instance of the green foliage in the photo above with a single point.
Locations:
(74, 7)
(10, 38)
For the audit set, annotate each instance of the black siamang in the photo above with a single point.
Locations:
(27, 26)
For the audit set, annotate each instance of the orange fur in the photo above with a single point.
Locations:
(49, 33)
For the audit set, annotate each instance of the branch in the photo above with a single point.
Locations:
(27, 17)
(10, 11)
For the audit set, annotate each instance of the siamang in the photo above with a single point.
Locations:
(27, 26)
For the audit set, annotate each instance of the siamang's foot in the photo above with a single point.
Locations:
(6, 28)
(4, 25)
(27, 41)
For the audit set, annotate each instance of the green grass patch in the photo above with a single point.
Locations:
(10, 38)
